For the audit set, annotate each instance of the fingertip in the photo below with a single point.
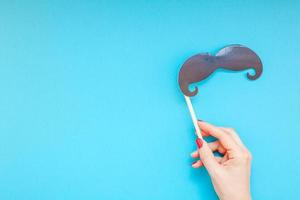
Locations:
(197, 164)
(199, 143)
(194, 165)
(195, 154)
(199, 121)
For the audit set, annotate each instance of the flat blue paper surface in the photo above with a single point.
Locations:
(90, 106)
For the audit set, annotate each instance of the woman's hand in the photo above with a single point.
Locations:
(230, 174)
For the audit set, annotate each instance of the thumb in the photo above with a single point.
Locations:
(206, 156)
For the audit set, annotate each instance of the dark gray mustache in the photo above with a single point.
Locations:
(201, 66)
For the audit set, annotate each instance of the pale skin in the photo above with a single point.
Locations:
(230, 174)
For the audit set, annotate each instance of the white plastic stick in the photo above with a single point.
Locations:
(193, 115)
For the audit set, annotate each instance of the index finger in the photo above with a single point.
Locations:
(227, 142)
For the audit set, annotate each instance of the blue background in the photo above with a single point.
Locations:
(90, 107)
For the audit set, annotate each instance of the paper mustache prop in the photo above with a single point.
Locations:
(201, 66)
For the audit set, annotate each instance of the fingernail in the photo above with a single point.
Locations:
(199, 143)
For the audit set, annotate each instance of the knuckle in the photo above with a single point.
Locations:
(247, 156)
(250, 156)
(231, 130)
(244, 155)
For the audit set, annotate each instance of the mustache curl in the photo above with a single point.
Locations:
(201, 66)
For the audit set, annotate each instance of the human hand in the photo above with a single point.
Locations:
(230, 174)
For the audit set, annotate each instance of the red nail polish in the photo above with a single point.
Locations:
(199, 143)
